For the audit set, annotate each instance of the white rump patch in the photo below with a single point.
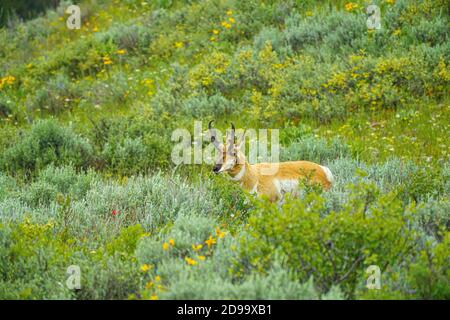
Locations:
(328, 173)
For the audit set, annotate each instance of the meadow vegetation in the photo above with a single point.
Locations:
(86, 176)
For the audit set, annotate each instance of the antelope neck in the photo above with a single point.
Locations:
(240, 174)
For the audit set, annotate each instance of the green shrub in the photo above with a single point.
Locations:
(33, 262)
(335, 248)
(111, 272)
(335, 31)
(67, 180)
(109, 93)
(276, 285)
(424, 277)
(433, 217)
(53, 181)
(35, 258)
(131, 37)
(187, 230)
(40, 194)
(7, 185)
(57, 95)
(202, 106)
(110, 277)
(6, 108)
(390, 176)
(132, 145)
(151, 202)
(425, 183)
(128, 155)
(315, 149)
(429, 276)
(45, 143)
(14, 209)
(370, 104)
(23, 9)
(273, 36)
(231, 199)
(210, 277)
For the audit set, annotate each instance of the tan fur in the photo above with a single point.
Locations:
(266, 185)
(272, 180)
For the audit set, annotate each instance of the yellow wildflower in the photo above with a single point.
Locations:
(390, 1)
(229, 12)
(149, 285)
(215, 31)
(153, 297)
(197, 247)
(178, 44)
(220, 233)
(231, 20)
(165, 246)
(172, 242)
(148, 82)
(397, 32)
(157, 278)
(106, 60)
(212, 39)
(190, 261)
(226, 25)
(202, 258)
(145, 267)
(350, 6)
(121, 51)
(9, 80)
(210, 241)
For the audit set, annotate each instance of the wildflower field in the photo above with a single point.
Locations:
(93, 207)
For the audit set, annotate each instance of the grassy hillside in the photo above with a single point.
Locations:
(86, 177)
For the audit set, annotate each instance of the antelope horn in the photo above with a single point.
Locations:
(233, 133)
(232, 139)
(212, 131)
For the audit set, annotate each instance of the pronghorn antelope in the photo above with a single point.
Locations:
(259, 178)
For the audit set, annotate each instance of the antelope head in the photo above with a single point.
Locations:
(229, 155)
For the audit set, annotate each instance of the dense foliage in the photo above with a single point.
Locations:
(86, 177)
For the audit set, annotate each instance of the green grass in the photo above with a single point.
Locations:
(86, 178)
